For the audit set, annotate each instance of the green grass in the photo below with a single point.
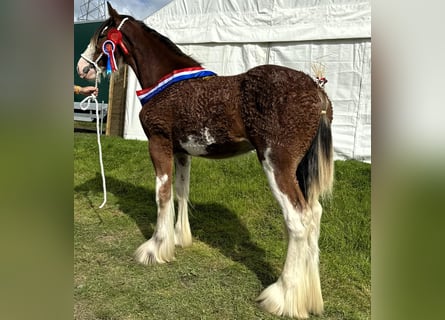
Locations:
(239, 239)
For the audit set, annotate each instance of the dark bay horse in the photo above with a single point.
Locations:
(282, 114)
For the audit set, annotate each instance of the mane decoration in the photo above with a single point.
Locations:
(319, 70)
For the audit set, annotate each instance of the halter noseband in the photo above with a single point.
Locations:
(115, 37)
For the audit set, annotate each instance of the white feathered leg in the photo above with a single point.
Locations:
(161, 246)
(183, 234)
(292, 294)
(289, 296)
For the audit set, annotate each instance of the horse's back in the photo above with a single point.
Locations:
(280, 74)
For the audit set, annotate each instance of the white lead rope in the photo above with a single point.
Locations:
(88, 99)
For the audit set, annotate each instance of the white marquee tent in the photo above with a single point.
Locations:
(231, 36)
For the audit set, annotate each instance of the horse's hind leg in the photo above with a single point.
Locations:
(293, 294)
(183, 235)
(160, 247)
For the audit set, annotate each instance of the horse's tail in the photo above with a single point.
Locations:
(315, 173)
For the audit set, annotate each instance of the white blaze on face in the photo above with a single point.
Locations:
(197, 145)
(82, 63)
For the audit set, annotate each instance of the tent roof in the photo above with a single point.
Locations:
(241, 21)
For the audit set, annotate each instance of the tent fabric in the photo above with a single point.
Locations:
(232, 36)
(200, 21)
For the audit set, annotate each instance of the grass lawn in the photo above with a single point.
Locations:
(238, 232)
(85, 126)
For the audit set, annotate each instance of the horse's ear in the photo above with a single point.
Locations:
(113, 13)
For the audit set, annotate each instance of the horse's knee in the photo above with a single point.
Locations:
(163, 190)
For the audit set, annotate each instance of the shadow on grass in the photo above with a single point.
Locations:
(211, 223)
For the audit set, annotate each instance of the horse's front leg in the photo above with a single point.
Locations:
(183, 235)
(161, 246)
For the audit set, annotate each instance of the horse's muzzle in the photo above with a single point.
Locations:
(83, 71)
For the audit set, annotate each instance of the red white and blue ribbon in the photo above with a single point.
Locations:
(145, 95)
(108, 47)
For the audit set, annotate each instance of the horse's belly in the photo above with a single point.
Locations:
(208, 146)
(227, 150)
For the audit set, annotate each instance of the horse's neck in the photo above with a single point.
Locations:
(152, 59)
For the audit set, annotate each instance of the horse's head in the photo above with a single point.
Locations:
(107, 42)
